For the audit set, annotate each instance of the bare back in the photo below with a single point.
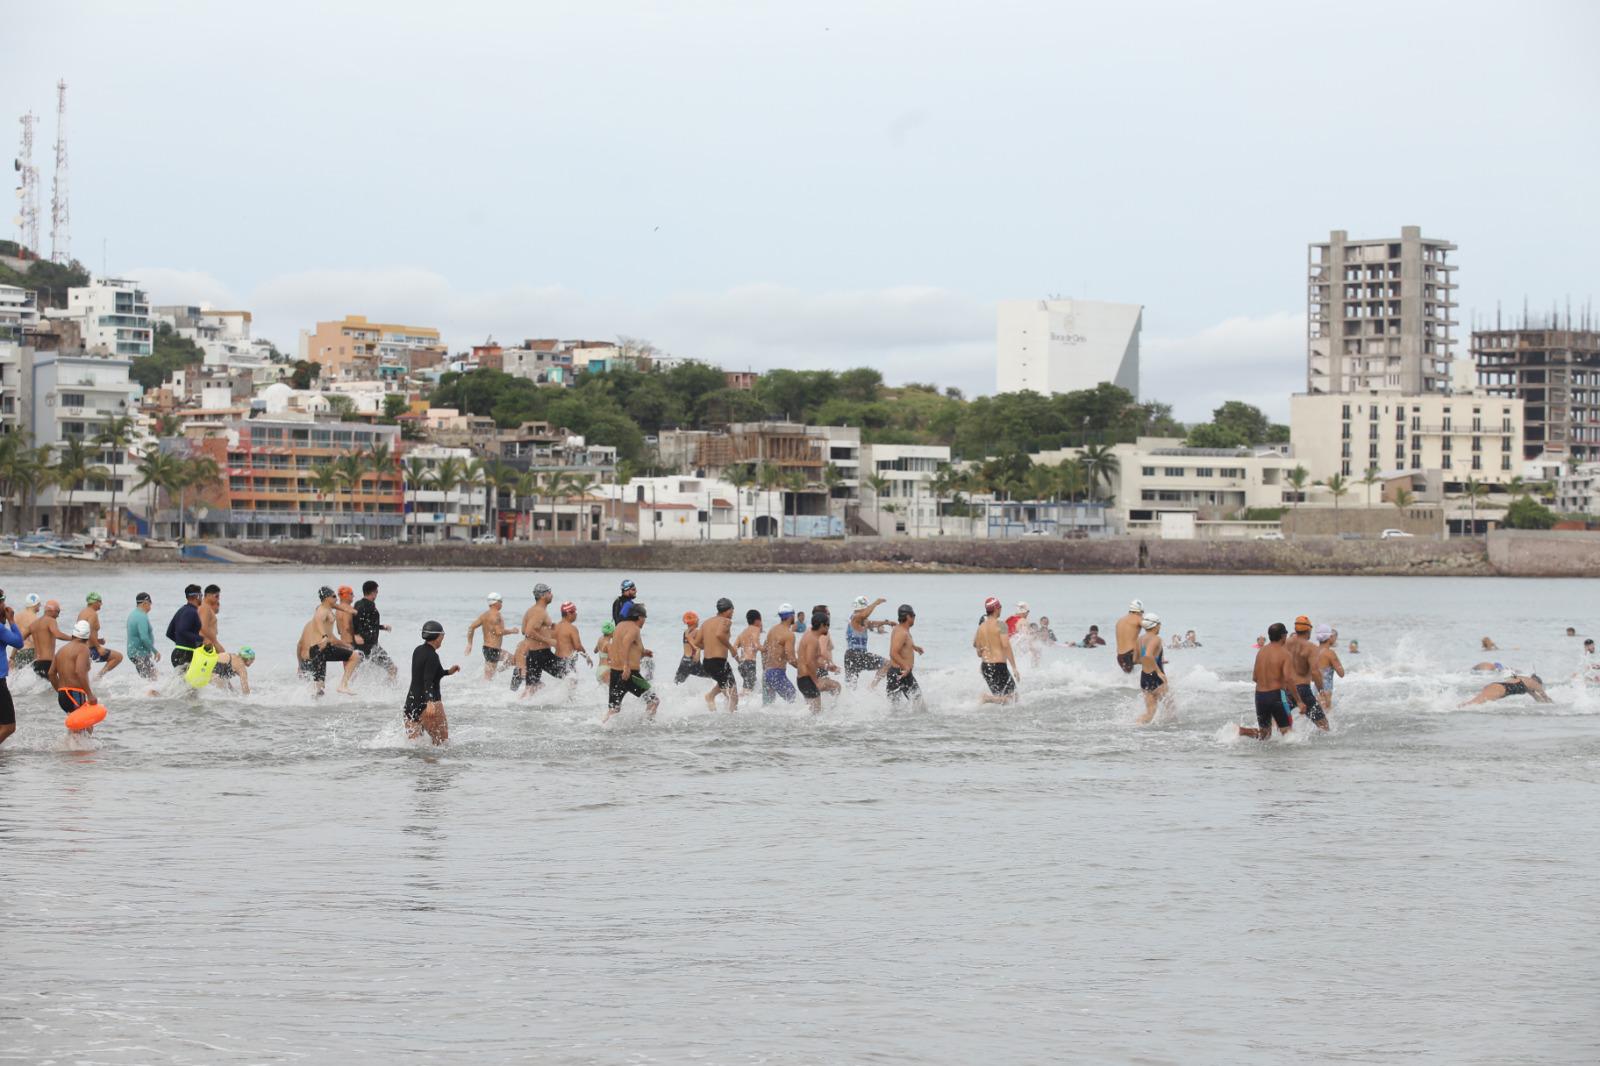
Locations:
(1271, 662)
(568, 643)
(1128, 632)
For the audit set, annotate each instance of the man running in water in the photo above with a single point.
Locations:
(903, 651)
(319, 645)
(1152, 667)
(997, 662)
(1128, 636)
(344, 613)
(1272, 687)
(209, 606)
(184, 629)
(569, 644)
(1515, 685)
(494, 629)
(11, 637)
(424, 706)
(368, 629)
(809, 659)
(777, 653)
(142, 640)
(857, 659)
(627, 652)
(541, 637)
(69, 672)
(623, 604)
(45, 634)
(1327, 664)
(747, 649)
(689, 665)
(23, 656)
(98, 652)
(1302, 671)
(716, 639)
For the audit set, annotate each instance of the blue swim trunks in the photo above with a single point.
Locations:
(778, 684)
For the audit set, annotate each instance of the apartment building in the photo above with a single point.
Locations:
(1379, 313)
(19, 313)
(1476, 435)
(65, 397)
(1554, 370)
(355, 349)
(1578, 490)
(905, 472)
(538, 361)
(1050, 346)
(441, 513)
(112, 316)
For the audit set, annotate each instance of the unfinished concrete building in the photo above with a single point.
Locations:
(1554, 367)
(1378, 314)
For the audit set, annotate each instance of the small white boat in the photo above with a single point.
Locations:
(161, 544)
(130, 545)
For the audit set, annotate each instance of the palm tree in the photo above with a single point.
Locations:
(1297, 480)
(117, 434)
(380, 461)
(157, 470)
(740, 477)
(324, 482)
(14, 459)
(555, 486)
(1369, 479)
(577, 484)
(447, 476)
(474, 476)
(1475, 490)
(1099, 465)
(192, 473)
(1337, 487)
(414, 474)
(1402, 498)
(74, 465)
(351, 470)
(769, 477)
(880, 488)
(497, 476)
(943, 484)
(1071, 482)
(832, 478)
(796, 483)
(33, 472)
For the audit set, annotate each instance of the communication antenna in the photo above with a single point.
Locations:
(27, 190)
(60, 213)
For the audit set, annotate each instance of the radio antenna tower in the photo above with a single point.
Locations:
(27, 191)
(60, 213)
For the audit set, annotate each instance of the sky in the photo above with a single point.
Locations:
(818, 185)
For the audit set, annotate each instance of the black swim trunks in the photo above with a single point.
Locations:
(491, 655)
(181, 658)
(70, 699)
(747, 674)
(8, 710)
(688, 668)
(998, 677)
(808, 688)
(633, 686)
(1269, 709)
(42, 667)
(902, 686)
(717, 670)
(857, 662)
(376, 656)
(1309, 698)
(541, 661)
(223, 670)
(1125, 660)
(317, 664)
(1151, 682)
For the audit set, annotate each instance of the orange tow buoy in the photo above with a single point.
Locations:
(88, 715)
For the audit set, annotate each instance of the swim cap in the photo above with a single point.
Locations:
(81, 630)
(346, 592)
(324, 592)
(905, 612)
(248, 654)
(143, 597)
(859, 602)
(1136, 607)
(785, 611)
(431, 629)
(609, 628)
(1151, 620)
(1302, 624)
(93, 597)
(991, 604)
(724, 604)
(690, 618)
(569, 608)
(1322, 633)
(32, 599)
(1022, 607)
(541, 589)
(494, 597)
(627, 583)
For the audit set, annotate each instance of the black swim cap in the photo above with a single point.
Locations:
(724, 604)
(905, 612)
(431, 629)
(324, 592)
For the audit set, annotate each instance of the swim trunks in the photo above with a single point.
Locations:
(633, 686)
(1150, 682)
(224, 671)
(858, 662)
(717, 670)
(70, 699)
(998, 677)
(1270, 709)
(42, 667)
(808, 688)
(491, 655)
(8, 710)
(778, 685)
(317, 664)
(145, 665)
(747, 674)
(538, 662)
(688, 668)
(902, 686)
(1309, 699)
(96, 655)
(1327, 678)
(181, 658)
(377, 656)
(1125, 660)
(413, 708)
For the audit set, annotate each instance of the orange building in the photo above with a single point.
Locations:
(353, 349)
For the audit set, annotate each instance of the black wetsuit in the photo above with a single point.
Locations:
(184, 632)
(620, 607)
(426, 672)
(368, 626)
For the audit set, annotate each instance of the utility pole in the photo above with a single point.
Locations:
(60, 213)
(27, 191)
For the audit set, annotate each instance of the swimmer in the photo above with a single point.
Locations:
(902, 684)
(424, 706)
(569, 643)
(1489, 645)
(1092, 639)
(1261, 642)
(1327, 662)
(777, 653)
(623, 604)
(45, 634)
(232, 665)
(98, 652)
(141, 640)
(184, 629)
(540, 634)
(1355, 647)
(627, 653)
(825, 640)
(747, 649)
(1127, 634)
(1017, 620)
(22, 656)
(318, 645)
(716, 639)
(1515, 685)
(1302, 672)
(69, 671)
(1571, 632)
(1047, 634)
(1273, 689)
(1488, 668)
(1152, 667)
(344, 613)
(493, 624)
(857, 659)
(367, 627)
(602, 652)
(996, 661)
(810, 678)
(689, 666)
(210, 604)
(1190, 640)
(11, 636)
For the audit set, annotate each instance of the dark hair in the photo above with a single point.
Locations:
(1277, 631)
(213, 588)
(143, 597)
(638, 611)
(1094, 629)
(191, 590)
(368, 587)
(751, 617)
(819, 619)
(905, 612)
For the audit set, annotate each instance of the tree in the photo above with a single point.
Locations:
(415, 474)
(394, 405)
(474, 477)
(525, 489)
(1041, 483)
(446, 478)
(1528, 513)
(157, 470)
(1337, 485)
(74, 465)
(305, 372)
(1474, 490)
(193, 473)
(1402, 498)
(861, 384)
(497, 476)
(1369, 479)
(832, 478)
(1297, 480)
(740, 477)
(880, 488)
(351, 469)
(342, 406)
(168, 352)
(1211, 435)
(945, 481)
(795, 482)
(769, 477)
(1099, 465)
(324, 482)
(1071, 482)
(578, 483)
(117, 435)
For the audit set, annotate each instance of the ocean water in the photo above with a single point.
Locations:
(284, 879)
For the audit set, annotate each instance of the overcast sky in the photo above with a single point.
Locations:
(818, 184)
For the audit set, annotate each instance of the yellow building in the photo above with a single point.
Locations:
(354, 349)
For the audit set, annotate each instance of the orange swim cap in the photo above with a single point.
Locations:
(1302, 624)
(346, 592)
(690, 618)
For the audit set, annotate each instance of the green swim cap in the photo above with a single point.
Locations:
(93, 597)
(609, 628)
(248, 654)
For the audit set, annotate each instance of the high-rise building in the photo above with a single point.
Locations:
(1378, 314)
(1555, 370)
(1051, 346)
(113, 316)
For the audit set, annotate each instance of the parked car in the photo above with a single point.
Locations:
(1349, 536)
(1036, 531)
(350, 538)
(1270, 535)
(486, 538)
(1393, 534)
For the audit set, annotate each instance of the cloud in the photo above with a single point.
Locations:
(166, 285)
(1257, 360)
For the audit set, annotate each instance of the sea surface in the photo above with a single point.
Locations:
(286, 879)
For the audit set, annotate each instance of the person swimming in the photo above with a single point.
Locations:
(1515, 685)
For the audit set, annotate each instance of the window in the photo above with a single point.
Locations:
(72, 399)
(1447, 442)
(1477, 462)
(1505, 462)
(1446, 464)
(1148, 471)
(1372, 451)
(1205, 471)
(1344, 431)
(1399, 454)
(1173, 471)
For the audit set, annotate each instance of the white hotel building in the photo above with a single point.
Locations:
(1050, 346)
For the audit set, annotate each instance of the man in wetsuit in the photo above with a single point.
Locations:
(716, 638)
(903, 651)
(184, 629)
(98, 652)
(747, 649)
(44, 635)
(1152, 666)
(776, 655)
(142, 640)
(69, 671)
(11, 637)
(368, 629)
(493, 624)
(997, 661)
(627, 652)
(540, 634)
(1271, 675)
(857, 659)
(621, 606)
(424, 706)
(1302, 672)
(810, 678)
(1128, 636)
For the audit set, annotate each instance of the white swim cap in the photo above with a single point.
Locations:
(1136, 607)
(32, 600)
(81, 630)
(1022, 607)
(494, 597)
(1151, 620)
(784, 610)
(1322, 633)
(859, 602)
